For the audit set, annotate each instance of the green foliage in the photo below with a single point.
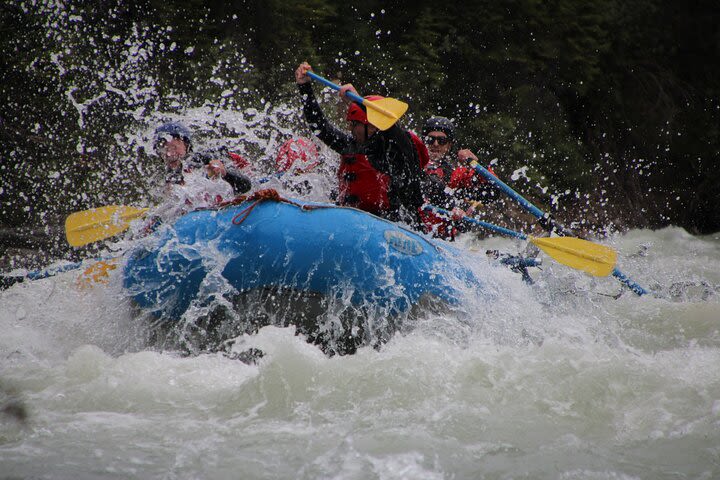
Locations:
(591, 97)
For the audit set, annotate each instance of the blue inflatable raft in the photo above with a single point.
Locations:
(318, 249)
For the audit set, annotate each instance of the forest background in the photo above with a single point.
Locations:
(607, 111)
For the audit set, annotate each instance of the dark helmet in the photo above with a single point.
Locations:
(439, 124)
(176, 130)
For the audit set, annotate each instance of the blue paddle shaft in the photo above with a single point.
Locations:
(629, 283)
(509, 191)
(52, 271)
(353, 96)
(8, 281)
(49, 272)
(489, 226)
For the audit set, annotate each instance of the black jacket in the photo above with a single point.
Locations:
(239, 182)
(391, 152)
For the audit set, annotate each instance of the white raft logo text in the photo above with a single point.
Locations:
(402, 243)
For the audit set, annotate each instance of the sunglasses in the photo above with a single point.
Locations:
(430, 139)
(160, 144)
(162, 141)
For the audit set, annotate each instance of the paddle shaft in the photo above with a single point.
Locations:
(509, 261)
(271, 177)
(629, 283)
(546, 221)
(8, 281)
(489, 226)
(351, 95)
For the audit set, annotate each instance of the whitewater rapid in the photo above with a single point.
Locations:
(554, 380)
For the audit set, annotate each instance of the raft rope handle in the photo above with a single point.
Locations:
(256, 198)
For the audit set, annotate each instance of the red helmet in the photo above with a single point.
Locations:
(357, 113)
(298, 151)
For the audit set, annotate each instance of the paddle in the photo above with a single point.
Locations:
(8, 281)
(382, 113)
(97, 224)
(546, 221)
(96, 272)
(82, 228)
(592, 258)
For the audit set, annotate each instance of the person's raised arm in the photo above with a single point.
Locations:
(325, 131)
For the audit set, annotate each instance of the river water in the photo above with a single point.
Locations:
(558, 380)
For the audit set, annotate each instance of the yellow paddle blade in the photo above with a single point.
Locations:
(385, 112)
(595, 259)
(98, 272)
(97, 224)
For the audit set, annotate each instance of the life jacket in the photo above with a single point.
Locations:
(442, 169)
(361, 185)
(364, 187)
(466, 177)
(435, 170)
